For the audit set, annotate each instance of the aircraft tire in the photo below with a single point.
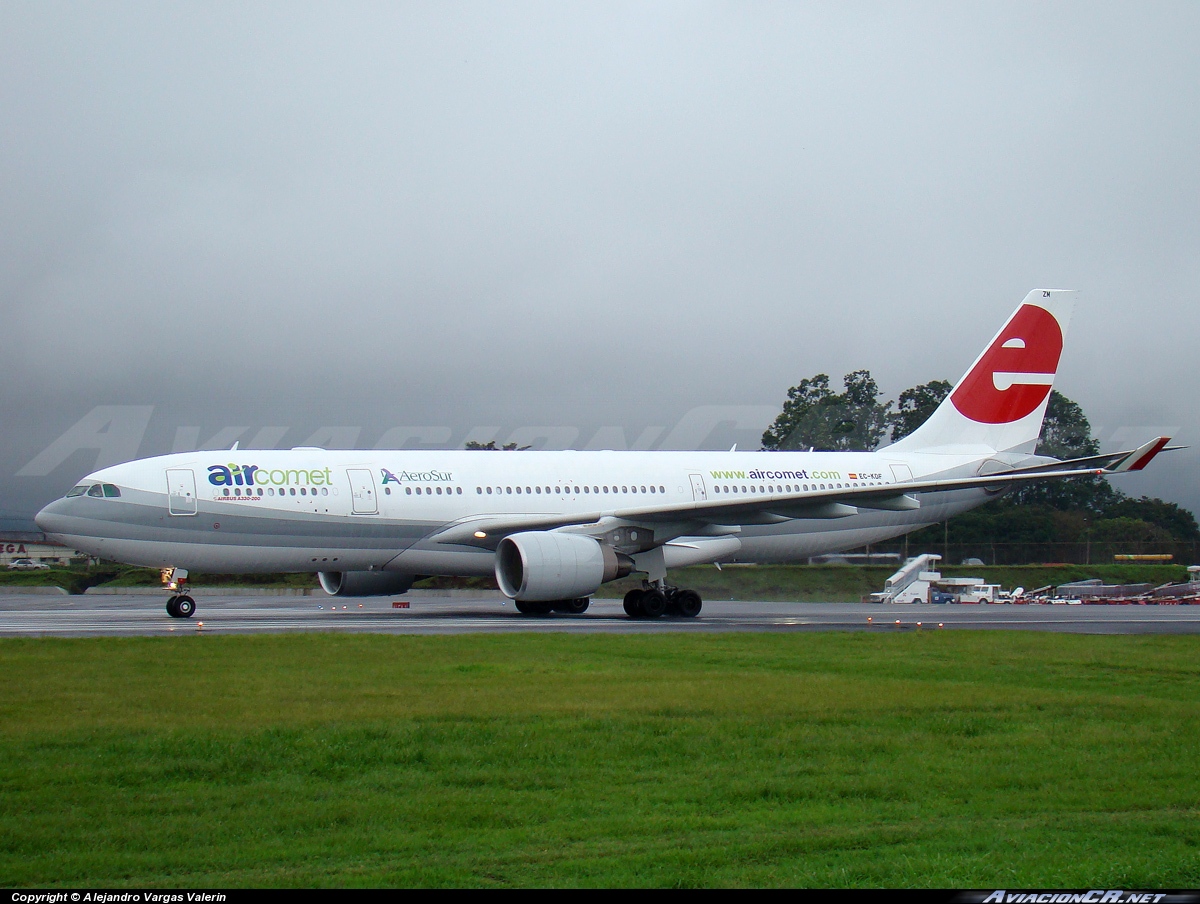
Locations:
(633, 603)
(654, 603)
(573, 607)
(185, 606)
(171, 610)
(688, 603)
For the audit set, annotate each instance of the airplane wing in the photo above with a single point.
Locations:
(775, 508)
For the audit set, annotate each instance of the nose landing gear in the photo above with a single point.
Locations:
(180, 605)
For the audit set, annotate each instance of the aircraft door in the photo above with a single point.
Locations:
(699, 493)
(181, 491)
(362, 491)
(901, 473)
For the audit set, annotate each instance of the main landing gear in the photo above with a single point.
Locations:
(568, 607)
(180, 605)
(656, 599)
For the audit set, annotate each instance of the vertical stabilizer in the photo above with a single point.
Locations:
(1000, 402)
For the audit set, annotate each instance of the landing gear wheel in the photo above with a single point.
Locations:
(654, 603)
(530, 607)
(573, 607)
(171, 610)
(185, 606)
(688, 603)
(633, 603)
(523, 607)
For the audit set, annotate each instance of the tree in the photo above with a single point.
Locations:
(1066, 433)
(1178, 522)
(916, 405)
(814, 416)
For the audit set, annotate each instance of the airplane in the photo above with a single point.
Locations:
(554, 526)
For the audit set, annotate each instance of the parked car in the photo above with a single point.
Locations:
(26, 565)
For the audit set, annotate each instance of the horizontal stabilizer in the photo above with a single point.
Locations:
(1141, 456)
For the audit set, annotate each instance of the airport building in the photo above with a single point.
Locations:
(34, 545)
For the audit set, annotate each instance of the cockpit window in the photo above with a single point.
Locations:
(96, 490)
(77, 491)
(111, 491)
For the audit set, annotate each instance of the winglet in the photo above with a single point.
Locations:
(1141, 456)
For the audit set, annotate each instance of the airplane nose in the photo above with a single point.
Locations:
(49, 518)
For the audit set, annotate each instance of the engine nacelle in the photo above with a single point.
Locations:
(364, 583)
(541, 566)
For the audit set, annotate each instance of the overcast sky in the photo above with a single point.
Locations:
(582, 215)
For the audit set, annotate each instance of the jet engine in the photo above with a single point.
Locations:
(541, 566)
(364, 583)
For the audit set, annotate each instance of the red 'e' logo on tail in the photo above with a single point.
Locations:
(1014, 374)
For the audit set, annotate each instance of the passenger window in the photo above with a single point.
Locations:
(458, 490)
(528, 491)
(479, 490)
(388, 490)
(585, 489)
(408, 491)
(643, 489)
(489, 491)
(111, 492)
(439, 491)
(652, 489)
(539, 491)
(324, 491)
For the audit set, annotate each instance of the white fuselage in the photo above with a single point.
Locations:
(309, 510)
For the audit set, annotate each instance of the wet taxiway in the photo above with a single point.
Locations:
(129, 615)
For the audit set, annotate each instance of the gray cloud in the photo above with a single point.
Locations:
(582, 215)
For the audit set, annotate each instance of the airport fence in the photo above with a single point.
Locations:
(1181, 552)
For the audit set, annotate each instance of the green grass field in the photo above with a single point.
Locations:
(963, 759)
